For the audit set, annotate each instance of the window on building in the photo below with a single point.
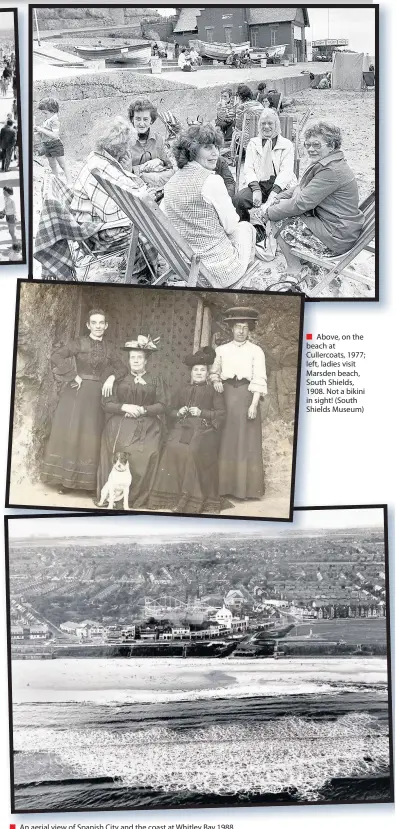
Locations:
(209, 34)
(254, 37)
(273, 37)
(227, 34)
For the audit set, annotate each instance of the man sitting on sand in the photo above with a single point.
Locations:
(150, 158)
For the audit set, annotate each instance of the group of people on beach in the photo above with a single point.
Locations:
(191, 179)
(188, 448)
(9, 151)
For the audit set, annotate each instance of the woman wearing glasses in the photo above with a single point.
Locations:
(322, 212)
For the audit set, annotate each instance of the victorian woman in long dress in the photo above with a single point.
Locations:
(135, 422)
(88, 365)
(239, 373)
(187, 477)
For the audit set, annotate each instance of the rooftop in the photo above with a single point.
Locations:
(187, 20)
(275, 14)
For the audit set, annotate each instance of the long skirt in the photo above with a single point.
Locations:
(187, 476)
(241, 471)
(141, 440)
(72, 452)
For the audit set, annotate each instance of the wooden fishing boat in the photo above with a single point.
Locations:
(268, 52)
(136, 50)
(218, 51)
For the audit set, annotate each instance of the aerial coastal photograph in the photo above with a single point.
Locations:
(155, 121)
(162, 662)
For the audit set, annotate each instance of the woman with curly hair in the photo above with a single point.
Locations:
(322, 212)
(198, 205)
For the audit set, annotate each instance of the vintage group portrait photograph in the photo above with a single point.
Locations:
(222, 147)
(170, 400)
(162, 663)
(12, 227)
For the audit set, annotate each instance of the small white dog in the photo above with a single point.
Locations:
(118, 483)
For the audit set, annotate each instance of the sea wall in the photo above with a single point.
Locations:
(89, 102)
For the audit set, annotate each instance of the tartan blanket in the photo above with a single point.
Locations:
(57, 227)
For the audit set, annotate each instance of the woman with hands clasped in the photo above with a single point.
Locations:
(187, 477)
(239, 373)
(134, 421)
(89, 366)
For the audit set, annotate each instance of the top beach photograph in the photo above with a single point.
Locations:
(215, 147)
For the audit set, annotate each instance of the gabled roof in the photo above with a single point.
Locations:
(274, 14)
(187, 20)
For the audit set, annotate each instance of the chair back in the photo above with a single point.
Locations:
(287, 122)
(149, 220)
(368, 79)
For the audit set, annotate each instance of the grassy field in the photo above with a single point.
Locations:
(359, 631)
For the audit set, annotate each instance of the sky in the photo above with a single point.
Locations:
(6, 21)
(158, 525)
(355, 24)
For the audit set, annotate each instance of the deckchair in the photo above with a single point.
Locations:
(368, 80)
(339, 265)
(148, 219)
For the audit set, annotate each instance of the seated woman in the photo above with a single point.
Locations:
(149, 156)
(90, 201)
(198, 205)
(187, 477)
(133, 422)
(322, 212)
(225, 118)
(269, 166)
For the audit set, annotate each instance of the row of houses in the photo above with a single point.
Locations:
(222, 622)
(29, 633)
(261, 26)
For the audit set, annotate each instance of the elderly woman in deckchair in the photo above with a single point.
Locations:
(322, 213)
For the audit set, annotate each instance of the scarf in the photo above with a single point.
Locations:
(266, 163)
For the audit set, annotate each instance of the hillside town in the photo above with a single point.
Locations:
(188, 591)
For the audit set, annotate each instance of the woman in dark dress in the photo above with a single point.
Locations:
(187, 477)
(239, 373)
(89, 367)
(135, 415)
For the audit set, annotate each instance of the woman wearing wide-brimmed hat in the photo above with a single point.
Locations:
(187, 477)
(239, 373)
(135, 421)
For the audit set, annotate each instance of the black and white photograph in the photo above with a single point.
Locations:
(12, 234)
(161, 663)
(168, 400)
(223, 147)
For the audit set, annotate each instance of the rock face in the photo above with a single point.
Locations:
(64, 17)
(53, 314)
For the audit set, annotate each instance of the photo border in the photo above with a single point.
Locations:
(180, 807)
(118, 286)
(375, 6)
(20, 143)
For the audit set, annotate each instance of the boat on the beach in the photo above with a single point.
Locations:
(218, 51)
(268, 52)
(135, 50)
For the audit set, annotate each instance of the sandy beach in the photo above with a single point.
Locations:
(107, 680)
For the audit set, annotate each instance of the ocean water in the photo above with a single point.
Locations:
(330, 746)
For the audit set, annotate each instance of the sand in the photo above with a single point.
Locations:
(155, 680)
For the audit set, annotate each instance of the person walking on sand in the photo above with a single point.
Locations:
(7, 144)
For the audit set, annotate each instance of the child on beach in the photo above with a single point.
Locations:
(52, 147)
(225, 118)
(10, 213)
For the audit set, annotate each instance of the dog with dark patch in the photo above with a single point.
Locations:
(118, 484)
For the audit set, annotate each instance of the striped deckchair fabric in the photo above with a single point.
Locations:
(339, 265)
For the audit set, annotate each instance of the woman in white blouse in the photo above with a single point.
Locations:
(269, 166)
(197, 203)
(239, 372)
